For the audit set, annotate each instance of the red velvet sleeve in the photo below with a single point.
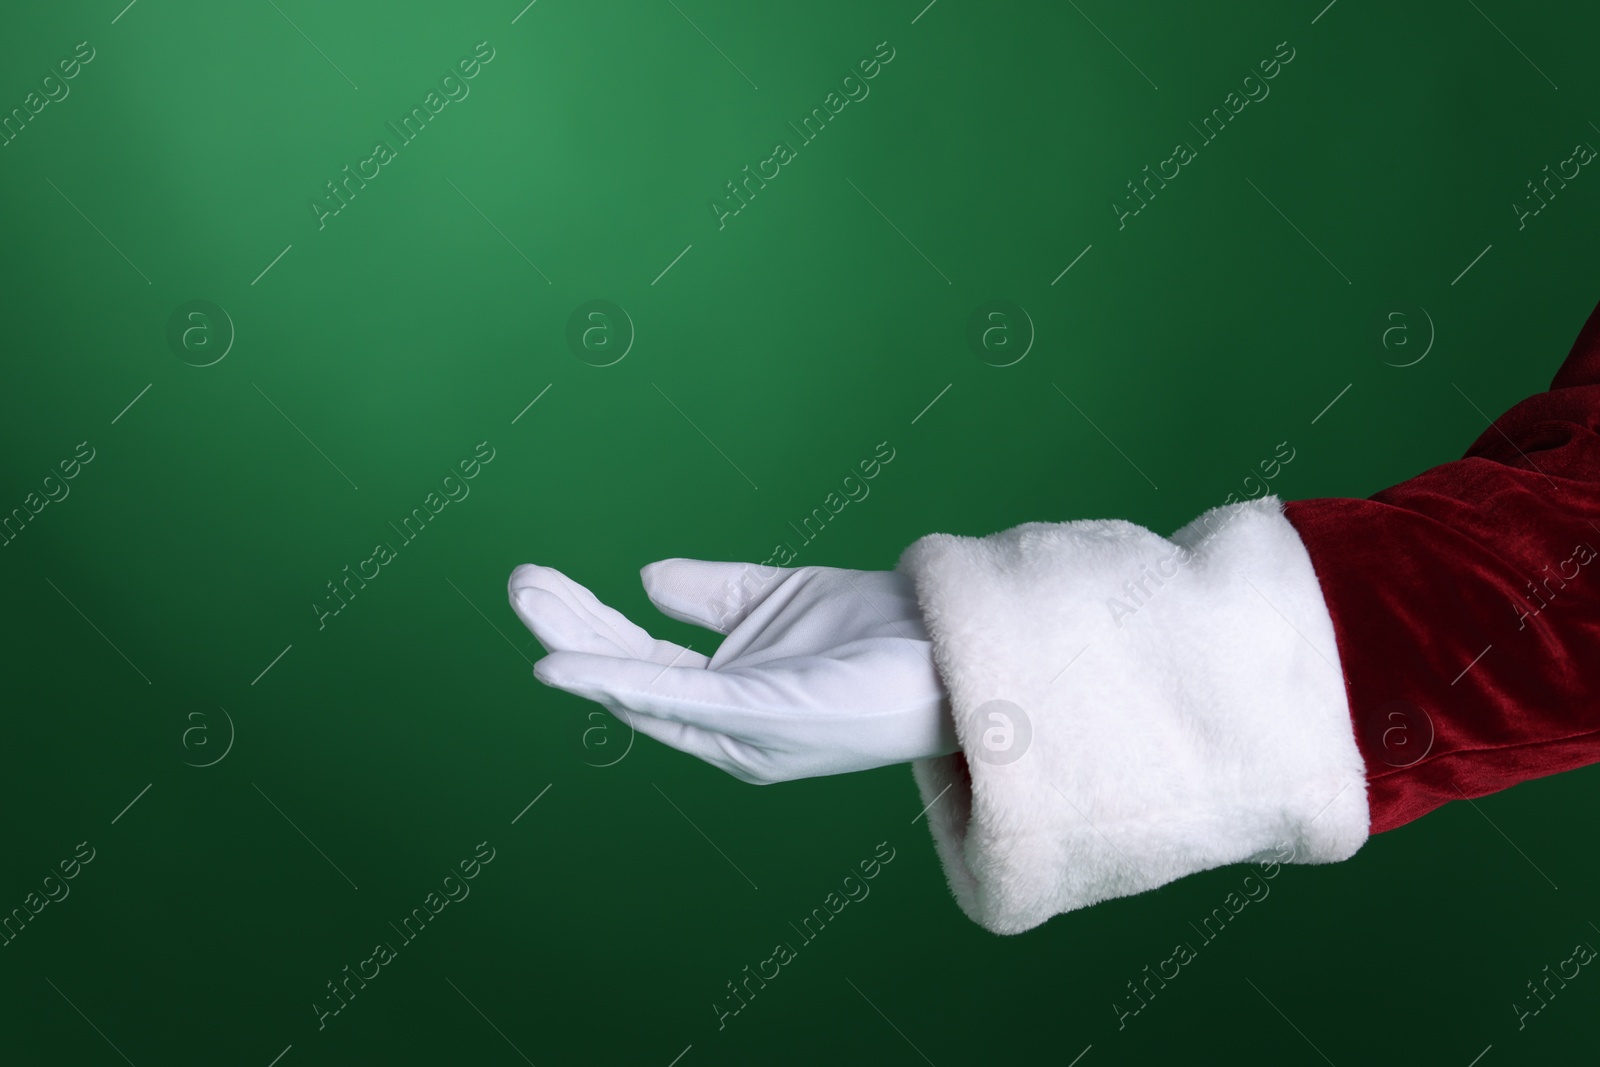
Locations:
(1466, 604)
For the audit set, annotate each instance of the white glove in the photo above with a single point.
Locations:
(823, 670)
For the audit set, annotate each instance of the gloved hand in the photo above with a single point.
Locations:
(823, 670)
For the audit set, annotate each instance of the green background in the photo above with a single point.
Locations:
(774, 354)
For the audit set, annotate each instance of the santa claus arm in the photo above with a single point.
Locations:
(1466, 602)
(1270, 680)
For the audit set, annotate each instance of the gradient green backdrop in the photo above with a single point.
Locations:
(773, 354)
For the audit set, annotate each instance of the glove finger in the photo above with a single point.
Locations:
(627, 638)
(719, 701)
(721, 752)
(558, 627)
(585, 605)
(712, 594)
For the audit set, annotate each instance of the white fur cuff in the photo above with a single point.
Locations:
(1131, 709)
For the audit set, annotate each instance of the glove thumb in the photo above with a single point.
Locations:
(715, 595)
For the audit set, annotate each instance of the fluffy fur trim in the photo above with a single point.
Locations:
(1131, 709)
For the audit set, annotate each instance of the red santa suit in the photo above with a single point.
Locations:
(1290, 678)
(1466, 608)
